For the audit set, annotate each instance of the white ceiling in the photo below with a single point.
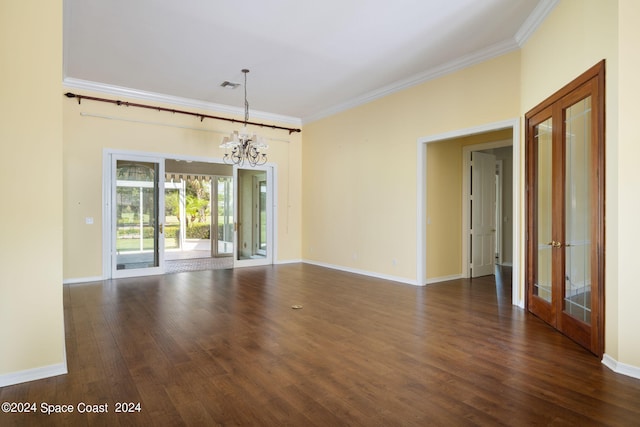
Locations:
(307, 58)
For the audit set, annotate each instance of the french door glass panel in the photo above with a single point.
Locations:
(543, 141)
(136, 225)
(578, 206)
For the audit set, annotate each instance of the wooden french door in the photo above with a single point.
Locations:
(565, 210)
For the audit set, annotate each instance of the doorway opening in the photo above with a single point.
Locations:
(255, 195)
(426, 226)
(198, 215)
(487, 222)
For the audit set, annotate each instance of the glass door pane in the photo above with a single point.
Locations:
(173, 196)
(262, 217)
(224, 200)
(253, 216)
(578, 208)
(543, 141)
(137, 207)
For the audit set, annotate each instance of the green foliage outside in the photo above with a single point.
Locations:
(199, 231)
(171, 236)
(197, 209)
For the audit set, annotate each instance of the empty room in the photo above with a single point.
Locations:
(319, 213)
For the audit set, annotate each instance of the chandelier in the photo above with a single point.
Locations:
(242, 146)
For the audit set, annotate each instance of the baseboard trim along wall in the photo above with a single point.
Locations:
(82, 280)
(443, 279)
(33, 374)
(363, 272)
(289, 261)
(621, 368)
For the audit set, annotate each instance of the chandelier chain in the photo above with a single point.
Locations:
(244, 146)
(246, 103)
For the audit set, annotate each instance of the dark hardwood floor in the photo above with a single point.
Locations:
(225, 347)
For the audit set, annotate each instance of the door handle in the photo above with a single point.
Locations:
(555, 244)
(160, 228)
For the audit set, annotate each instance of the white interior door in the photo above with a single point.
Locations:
(136, 216)
(483, 217)
(253, 216)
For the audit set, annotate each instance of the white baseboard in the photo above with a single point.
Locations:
(363, 272)
(443, 279)
(288, 261)
(33, 374)
(621, 368)
(82, 280)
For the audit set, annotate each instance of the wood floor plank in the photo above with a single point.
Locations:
(225, 347)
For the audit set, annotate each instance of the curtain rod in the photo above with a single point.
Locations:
(171, 110)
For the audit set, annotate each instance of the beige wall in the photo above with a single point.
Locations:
(624, 164)
(360, 166)
(31, 314)
(170, 135)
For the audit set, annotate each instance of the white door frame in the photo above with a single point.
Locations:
(109, 205)
(518, 219)
(272, 211)
(499, 216)
(466, 150)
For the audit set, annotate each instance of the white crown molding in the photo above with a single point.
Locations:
(72, 83)
(526, 30)
(534, 20)
(531, 24)
(493, 51)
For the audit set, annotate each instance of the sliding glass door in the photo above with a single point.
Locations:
(253, 216)
(142, 200)
(137, 212)
(223, 218)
